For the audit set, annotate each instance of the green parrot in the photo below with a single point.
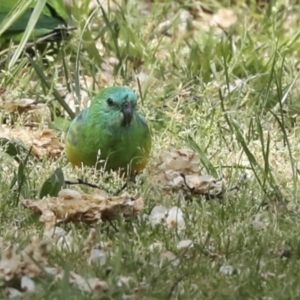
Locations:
(51, 24)
(110, 133)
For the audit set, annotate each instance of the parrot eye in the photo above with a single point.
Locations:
(110, 102)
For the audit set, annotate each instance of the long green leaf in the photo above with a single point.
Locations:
(53, 184)
(56, 94)
(203, 158)
(30, 27)
(14, 14)
(14, 148)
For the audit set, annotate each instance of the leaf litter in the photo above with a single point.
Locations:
(20, 266)
(76, 206)
(180, 170)
(43, 143)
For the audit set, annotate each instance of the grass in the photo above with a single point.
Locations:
(232, 95)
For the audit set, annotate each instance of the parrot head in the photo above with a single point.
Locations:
(117, 102)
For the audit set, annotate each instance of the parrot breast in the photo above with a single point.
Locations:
(100, 140)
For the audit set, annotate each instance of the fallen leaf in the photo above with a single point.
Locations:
(204, 184)
(184, 244)
(124, 281)
(158, 246)
(224, 18)
(172, 218)
(175, 218)
(183, 160)
(74, 206)
(169, 257)
(88, 285)
(21, 105)
(42, 142)
(157, 215)
(180, 170)
(27, 284)
(20, 266)
(15, 264)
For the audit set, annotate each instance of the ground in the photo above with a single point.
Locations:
(219, 78)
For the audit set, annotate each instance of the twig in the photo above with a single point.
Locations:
(186, 184)
(175, 284)
(113, 226)
(80, 181)
(219, 195)
(207, 195)
(239, 183)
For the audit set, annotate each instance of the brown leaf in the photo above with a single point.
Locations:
(43, 142)
(224, 18)
(74, 206)
(204, 184)
(185, 163)
(15, 264)
(183, 160)
(19, 266)
(19, 105)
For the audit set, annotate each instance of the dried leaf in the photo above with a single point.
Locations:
(157, 215)
(88, 285)
(204, 184)
(224, 18)
(19, 268)
(97, 256)
(13, 293)
(15, 264)
(157, 246)
(183, 160)
(74, 206)
(90, 242)
(173, 217)
(42, 142)
(184, 244)
(124, 281)
(27, 284)
(169, 257)
(66, 242)
(20, 105)
(180, 169)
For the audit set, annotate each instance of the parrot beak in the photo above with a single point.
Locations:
(127, 111)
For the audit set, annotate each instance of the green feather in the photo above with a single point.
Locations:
(103, 127)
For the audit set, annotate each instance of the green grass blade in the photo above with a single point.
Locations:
(14, 14)
(38, 8)
(56, 94)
